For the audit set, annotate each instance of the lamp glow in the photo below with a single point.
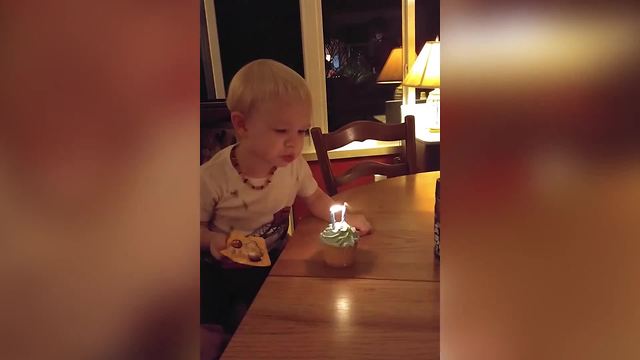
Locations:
(425, 73)
(391, 72)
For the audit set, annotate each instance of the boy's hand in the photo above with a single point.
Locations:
(224, 261)
(359, 222)
(218, 243)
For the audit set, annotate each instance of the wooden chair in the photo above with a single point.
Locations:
(360, 131)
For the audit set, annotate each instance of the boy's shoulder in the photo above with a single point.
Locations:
(218, 163)
(300, 165)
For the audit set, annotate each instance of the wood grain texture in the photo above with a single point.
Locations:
(315, 318)
(400, 247)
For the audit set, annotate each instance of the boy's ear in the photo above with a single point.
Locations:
(239, 122)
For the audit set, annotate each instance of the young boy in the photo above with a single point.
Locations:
(252, 185)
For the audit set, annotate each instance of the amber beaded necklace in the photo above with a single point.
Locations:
(236, 165)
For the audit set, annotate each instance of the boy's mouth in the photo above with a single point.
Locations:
(288, 158)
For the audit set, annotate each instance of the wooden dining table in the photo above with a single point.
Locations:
(385, 306)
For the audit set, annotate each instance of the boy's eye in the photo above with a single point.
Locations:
(280, 131)
(303, 132)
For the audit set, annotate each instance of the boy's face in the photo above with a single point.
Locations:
(275, 131)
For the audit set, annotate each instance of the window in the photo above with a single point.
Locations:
(428, 17)
(247, 30)
(356, 34)
(358, 38)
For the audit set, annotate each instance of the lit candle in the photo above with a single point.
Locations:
(334, 209)
(344, 210)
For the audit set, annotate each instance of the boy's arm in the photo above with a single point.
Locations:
(319, 203)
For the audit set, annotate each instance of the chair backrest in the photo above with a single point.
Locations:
(360, 131)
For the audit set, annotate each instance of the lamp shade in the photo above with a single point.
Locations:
(392, 70)
(425, 72)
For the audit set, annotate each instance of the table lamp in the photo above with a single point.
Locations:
(425, 73)
(391, 72)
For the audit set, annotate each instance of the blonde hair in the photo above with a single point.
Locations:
(263, 80)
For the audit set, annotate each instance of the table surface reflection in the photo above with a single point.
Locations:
(320, 318)
(400, 247)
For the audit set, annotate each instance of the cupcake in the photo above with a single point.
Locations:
(339, 243)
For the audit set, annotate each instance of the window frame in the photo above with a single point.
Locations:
(313, 54)
(214, 49)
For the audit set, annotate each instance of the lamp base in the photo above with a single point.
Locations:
(397, 95)
(434, 100)
(392, 111)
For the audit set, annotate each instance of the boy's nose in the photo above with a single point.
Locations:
(291, 142)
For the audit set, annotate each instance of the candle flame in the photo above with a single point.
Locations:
(336, 208)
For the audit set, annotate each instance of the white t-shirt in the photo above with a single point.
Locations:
(229, 204)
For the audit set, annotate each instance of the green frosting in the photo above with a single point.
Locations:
(343, 236)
